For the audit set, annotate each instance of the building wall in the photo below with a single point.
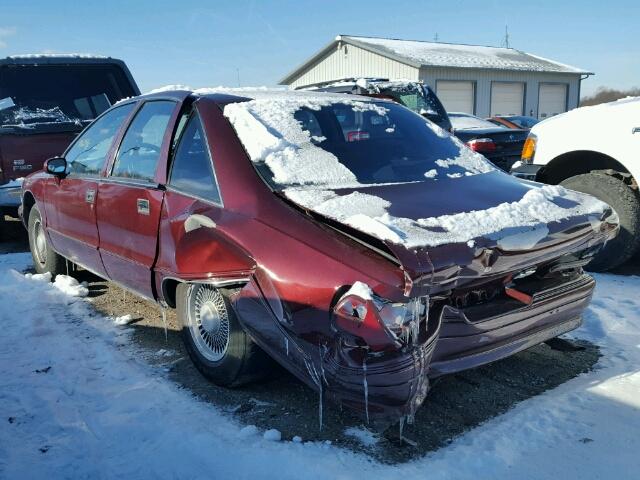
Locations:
(351, 61)
(483, 79)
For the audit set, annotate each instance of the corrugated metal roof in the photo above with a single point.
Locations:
(436, 54)
(418, 54)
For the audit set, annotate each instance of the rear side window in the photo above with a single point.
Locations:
(192, 171)
(88, 153)
(140, 149)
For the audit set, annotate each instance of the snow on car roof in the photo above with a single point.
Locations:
(438, 54)
(269, 93)
(284, 94)
(55, 55)
(56, 59)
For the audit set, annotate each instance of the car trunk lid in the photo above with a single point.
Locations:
(443, 264)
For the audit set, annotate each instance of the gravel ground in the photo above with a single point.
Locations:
(455, 404)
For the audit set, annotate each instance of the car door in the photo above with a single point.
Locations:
(130, 197)
(70, 201)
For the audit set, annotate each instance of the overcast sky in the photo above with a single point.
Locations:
(210, 43)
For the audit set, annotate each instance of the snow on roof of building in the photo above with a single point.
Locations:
(418, 53)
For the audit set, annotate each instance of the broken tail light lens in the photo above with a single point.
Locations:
(380, 323)
(482, 145)
(357, 316)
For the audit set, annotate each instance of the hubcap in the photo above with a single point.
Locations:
(209, 322)
(40, 243)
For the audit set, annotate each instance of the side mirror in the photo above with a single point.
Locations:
(56, 166)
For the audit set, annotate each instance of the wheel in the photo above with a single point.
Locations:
(626, 203)
(217, 344)
(45, 259)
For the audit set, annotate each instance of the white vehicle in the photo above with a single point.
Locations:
(595, 150)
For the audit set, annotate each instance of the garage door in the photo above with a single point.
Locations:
(507, 98)
(456, 96)
(552, 100)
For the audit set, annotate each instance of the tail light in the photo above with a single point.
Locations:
(482, 145)
(380, 323)
(529, 148)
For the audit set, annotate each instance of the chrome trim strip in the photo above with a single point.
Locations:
(129, 182)
(216, 282)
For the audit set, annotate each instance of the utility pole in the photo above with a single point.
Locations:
(435, 37)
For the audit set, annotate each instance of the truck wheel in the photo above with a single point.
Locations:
(626, 204)
(45, 259)
(217, 344)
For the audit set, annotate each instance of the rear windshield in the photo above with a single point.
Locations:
(31, 95)
(349, 143)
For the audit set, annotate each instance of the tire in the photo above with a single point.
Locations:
(227, 356)
(626, 204)
(45, 259)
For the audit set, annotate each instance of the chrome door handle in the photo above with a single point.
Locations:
(193, 222)
(143, 206)
(90, 196)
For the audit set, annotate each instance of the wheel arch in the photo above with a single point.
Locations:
(579, 162)
(28, 201)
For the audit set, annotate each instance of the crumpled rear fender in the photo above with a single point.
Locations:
(382, 386)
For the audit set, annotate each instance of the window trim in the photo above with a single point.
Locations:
(169, 187)
(116, 139)
(136, 181)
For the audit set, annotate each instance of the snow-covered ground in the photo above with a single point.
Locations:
(75, 403)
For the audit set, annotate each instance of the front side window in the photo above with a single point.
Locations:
(140, 149)
(192, 171)
(88, 154)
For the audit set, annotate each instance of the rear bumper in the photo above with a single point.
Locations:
(387, 386)
(463, 344)
(397, 384)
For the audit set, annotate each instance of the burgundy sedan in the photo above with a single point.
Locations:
(349, 239)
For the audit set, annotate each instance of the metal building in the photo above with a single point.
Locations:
(476, 79)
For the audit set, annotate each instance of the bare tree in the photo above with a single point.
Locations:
(604, 95)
